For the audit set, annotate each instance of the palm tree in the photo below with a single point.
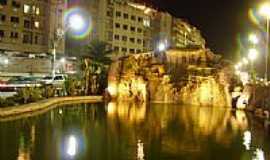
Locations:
(99, 52)
(95, 67)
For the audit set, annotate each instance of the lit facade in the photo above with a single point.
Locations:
(186, 36)
(29, 26)
(122, 25)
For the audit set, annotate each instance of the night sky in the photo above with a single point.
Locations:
(219, 20)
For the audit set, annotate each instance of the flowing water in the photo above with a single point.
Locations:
(134, 132)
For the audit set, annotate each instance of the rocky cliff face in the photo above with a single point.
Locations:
(165, 79)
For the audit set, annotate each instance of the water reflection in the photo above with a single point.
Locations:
(134, 131)
(259, 155)
(247, 140)
(72, 146)
(140, 152)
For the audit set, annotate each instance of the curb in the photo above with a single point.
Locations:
(44, 104)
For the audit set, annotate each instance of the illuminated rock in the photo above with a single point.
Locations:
(184, 77)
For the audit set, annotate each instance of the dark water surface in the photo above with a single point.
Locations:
(132, 132)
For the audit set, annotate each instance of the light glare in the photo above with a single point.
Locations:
(253, 39)
(252, 54)
(161, 47)
(76, 22)
(72, 146)
(265, 10)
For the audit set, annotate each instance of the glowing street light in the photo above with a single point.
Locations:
(252, 54)
(6, 61)
(76, 22)
(253, 39)
(161, 47)
(265, 11)
(63, 60)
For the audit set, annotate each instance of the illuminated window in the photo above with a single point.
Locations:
(146, 23)
(36, 24)
(37, 11)
(26, 8)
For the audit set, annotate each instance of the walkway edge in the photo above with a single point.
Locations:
(32, 107)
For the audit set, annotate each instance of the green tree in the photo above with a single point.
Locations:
(99, 52)
(95, 67)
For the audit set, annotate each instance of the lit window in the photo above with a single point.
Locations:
(26, 8)
(146, 23)
(37, 11)
(36, 24)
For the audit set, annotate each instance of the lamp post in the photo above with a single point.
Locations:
(265, 11)
(75, 22)
(252, 55)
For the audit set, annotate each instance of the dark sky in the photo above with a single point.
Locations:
(219, 20)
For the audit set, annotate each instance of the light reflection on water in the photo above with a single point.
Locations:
(130, 131)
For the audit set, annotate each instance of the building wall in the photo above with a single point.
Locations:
(26, 25)
(185, 35)
(130, 27)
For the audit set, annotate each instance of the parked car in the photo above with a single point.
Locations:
(21, 82)
(58, 80)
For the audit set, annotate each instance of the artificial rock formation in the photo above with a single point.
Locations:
(187, 77)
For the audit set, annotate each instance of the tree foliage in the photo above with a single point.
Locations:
(99, 52)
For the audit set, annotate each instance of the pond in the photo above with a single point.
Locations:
(121, 131)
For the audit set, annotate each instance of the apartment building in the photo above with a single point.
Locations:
(123, 25)
(185, 35)
(130, 27)
(28, 26)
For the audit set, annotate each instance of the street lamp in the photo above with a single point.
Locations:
(265, 11)
(76, 22)
(253, 39)
(6, 61)
(161, 47)
(63, 60)
(252, 55)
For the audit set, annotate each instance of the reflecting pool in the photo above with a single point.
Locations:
(122, 131)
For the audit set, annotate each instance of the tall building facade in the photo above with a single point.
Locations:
(28, 26)
(120, 23)
(185, 35)
(130, 27)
